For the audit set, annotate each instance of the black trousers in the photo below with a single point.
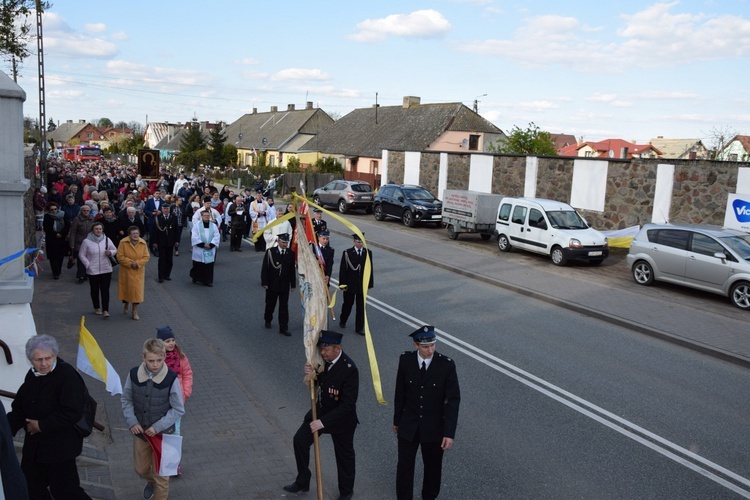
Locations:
(432, 457)
(60, 477)
(283, 299)
(166, 253)
(350, 298)
(99, 285)
(343, 447)
(235, 238)
(56, 263)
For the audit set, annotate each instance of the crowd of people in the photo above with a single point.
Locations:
(104, 217)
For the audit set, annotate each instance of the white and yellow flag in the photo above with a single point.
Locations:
(92, 362)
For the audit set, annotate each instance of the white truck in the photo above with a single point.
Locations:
(470, 212)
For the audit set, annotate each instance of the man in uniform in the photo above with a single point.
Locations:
(326, 251)
(318, 223)
(351, 275)
(277, 275)
(165, 237)
(425, 413)
(338, 388)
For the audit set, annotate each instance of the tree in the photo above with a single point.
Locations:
(15, 27)
(193, 139)
(51, 125)
(718, 138)
(216, 140)
(104, 122)
(328, 165)
(121, 125)
(136, 127)
(531, 141)
(229, 155)
(293, 164)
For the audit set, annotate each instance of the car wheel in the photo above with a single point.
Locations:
(377, 210)
(316, 200)
(740, 295)
(643, 273)
(408, 218)
(558, 257)
(485, 236)
(368, 210)
(343, 207)
(503, 243)
(452, 234)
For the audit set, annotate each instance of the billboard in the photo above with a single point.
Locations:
(737, 215)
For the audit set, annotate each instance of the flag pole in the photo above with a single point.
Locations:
(316, 442)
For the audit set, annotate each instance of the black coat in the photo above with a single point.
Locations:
(56, 400)
(328, 254)
(278, 272)
(352, 270)
(338, 390)
(165, 230)
(319, 225)
(426, 410)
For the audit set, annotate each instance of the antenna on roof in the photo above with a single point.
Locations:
(376, 108)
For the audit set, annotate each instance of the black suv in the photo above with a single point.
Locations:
(345, 195)
(411, 204)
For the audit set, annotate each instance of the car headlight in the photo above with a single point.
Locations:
(575, 243)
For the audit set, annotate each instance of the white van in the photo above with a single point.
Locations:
(548, 227)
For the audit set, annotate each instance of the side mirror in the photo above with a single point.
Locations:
(401, 199)
(721, 255)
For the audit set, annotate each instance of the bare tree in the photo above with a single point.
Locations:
(718, 138)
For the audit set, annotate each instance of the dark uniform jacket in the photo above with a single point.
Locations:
(319, 225)
(278, 271)
(426, 410)
(165, 230)
(338, 390)
(352, 270)
(56, 400)
(328, 254)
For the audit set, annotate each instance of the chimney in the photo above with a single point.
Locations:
(68, 121)
(81, 121)
(624, 153)
(410, 101)
(255, 111)
(290, 107)
(309, 105)
(274, 109)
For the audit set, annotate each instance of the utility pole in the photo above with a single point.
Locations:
(42, 104)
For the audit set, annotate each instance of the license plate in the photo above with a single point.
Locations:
(438, 216)
(595, 254)
(367, 197)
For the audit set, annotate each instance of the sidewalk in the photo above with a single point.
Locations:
(221, 421)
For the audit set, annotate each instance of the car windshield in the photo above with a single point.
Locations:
(740, 244)
(418, 194)
(566, 219)
(361, 188)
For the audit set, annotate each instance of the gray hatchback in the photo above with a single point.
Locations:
(345, 195)
(709, 258)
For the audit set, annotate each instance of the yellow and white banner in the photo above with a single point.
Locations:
(92, 362)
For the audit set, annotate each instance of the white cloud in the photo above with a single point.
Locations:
(597, 97)
(418, 24)
(95, 27)
(132, 74)
(299, 74)
(664, 95)
(60, 40)
(248, 61)
(120, 36)
(327, 90)
(537, 105)
(654, 36)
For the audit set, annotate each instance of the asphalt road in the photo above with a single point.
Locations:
(554, 404)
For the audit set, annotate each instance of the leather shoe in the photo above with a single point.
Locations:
(285, 333)
(361, 332)
(345, 497)
(295, 487)
(342, 324)
(268, 324)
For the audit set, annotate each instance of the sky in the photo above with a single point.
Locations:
(632, 70)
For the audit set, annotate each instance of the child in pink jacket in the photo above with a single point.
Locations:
(178, 362)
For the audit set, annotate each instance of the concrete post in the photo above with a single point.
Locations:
(16, 287)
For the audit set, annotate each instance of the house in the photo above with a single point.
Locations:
(171, 136)
(282, 135)
(611, 148)
(681, 149)
(738, 149)
(87, 134)
(562, 141)
(360, 137)
(156, 132)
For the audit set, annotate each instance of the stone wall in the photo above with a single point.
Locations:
(699, 189)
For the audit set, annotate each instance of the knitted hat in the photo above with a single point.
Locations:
(164, 333)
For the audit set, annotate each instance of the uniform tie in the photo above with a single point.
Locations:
(423, 370)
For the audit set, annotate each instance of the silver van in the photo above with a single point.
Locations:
(548, 227)
(709, 258)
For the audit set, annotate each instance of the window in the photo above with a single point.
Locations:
(90, 135)
(504, 212)
(374, 167)
(473, 142)
(733, 157)
(589, 154)
(271, 160)
(536, 219)
(519, 215)
(670, 238)
(705, 245)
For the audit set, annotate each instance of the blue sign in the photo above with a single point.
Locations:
(741, 210)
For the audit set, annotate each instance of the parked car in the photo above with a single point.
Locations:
(345, 195)
(703, 257)
(412, 204)
(548, 227)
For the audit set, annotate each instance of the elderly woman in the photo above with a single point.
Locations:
(132, 254)
(55, 232)
(47, 405)
(94, 254)
(80, 227)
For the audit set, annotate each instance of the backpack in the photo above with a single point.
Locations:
(85, 425)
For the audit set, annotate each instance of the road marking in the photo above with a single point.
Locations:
(682, 456)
